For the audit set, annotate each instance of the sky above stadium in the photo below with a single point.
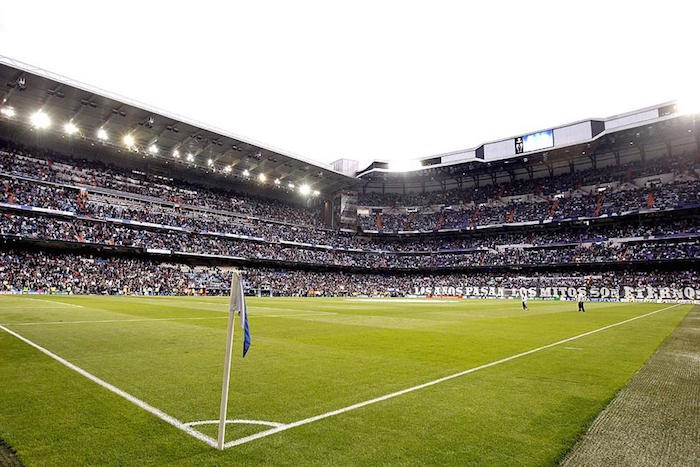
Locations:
(368, 80)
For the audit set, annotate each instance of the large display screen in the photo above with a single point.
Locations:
(534, 141)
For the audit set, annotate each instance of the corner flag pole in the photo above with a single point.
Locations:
(235, 288)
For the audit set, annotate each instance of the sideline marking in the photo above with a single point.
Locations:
(137, 320)
(310, 313)
(110, 387)
(272, 431)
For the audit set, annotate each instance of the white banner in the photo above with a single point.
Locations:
(591, 293)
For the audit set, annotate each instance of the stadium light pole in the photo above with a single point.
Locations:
(235, 287)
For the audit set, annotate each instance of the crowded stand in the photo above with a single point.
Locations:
(591, 200)
(599, 245)
(680, 195)
(85, 174)
(552, 185)
(35, 271)
(590, 217)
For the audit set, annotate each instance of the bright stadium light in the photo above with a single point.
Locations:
(129, 141)
(190, 157)
(689, 105)
(7, 111)
(277, 181)
(246, 173)
(176, 154)
(40, 120)
(290, 185)
(404, 166)
(316, 192)
(305, 189)
(153, 149)
(262, 178)
(70, 128)
(227, 169)
(102, 134)
(210, 162)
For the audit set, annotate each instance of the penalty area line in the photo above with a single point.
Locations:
(110, 387)
(288, 426)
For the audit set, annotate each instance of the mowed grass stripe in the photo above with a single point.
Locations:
(301, 367)
(428, 384)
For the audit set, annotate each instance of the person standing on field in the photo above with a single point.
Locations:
(580, 299)
(523, 298)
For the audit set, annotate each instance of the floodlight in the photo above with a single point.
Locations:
(153, 149)
(227, 169)
(129, 141)
(316, 192)
(190, 157)
(70, 128)
(176, 154)
(689, 105)
(277, 181)
(262, 177)
(246, 173)
(102, 134)
(7, 111)
(290, 185)
(210, 162)
(305, 189)
(40, 119)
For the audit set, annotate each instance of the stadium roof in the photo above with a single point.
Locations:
(152, 132)
(663, 128)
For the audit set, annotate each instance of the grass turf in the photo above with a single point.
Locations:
(311, 356)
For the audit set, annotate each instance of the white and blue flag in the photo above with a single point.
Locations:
(238, 305)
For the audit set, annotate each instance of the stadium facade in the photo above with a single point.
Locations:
(105, 195)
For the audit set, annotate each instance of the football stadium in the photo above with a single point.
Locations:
(528, 301)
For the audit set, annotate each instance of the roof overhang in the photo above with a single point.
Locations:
(565, 138)
(27, 89)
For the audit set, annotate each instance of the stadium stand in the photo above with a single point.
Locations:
(81, 216)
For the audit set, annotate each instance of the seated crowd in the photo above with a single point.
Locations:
(554, 198)
(90, 174)
(45, 200)
(517, 248)
(548, 186)
(32, 271)
(678, 195)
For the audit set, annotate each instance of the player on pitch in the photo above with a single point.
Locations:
(580, 298)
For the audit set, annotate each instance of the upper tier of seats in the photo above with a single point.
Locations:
(106, 193)
(543, 187)
(155, 188)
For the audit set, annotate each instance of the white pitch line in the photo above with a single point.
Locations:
(134, 400)
(237, 421)
(323, 313)
(359, 405)
(135, 320)
(53, 302)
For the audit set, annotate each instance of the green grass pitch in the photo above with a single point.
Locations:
(310, 357)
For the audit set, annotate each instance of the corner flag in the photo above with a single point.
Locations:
(236, 304)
